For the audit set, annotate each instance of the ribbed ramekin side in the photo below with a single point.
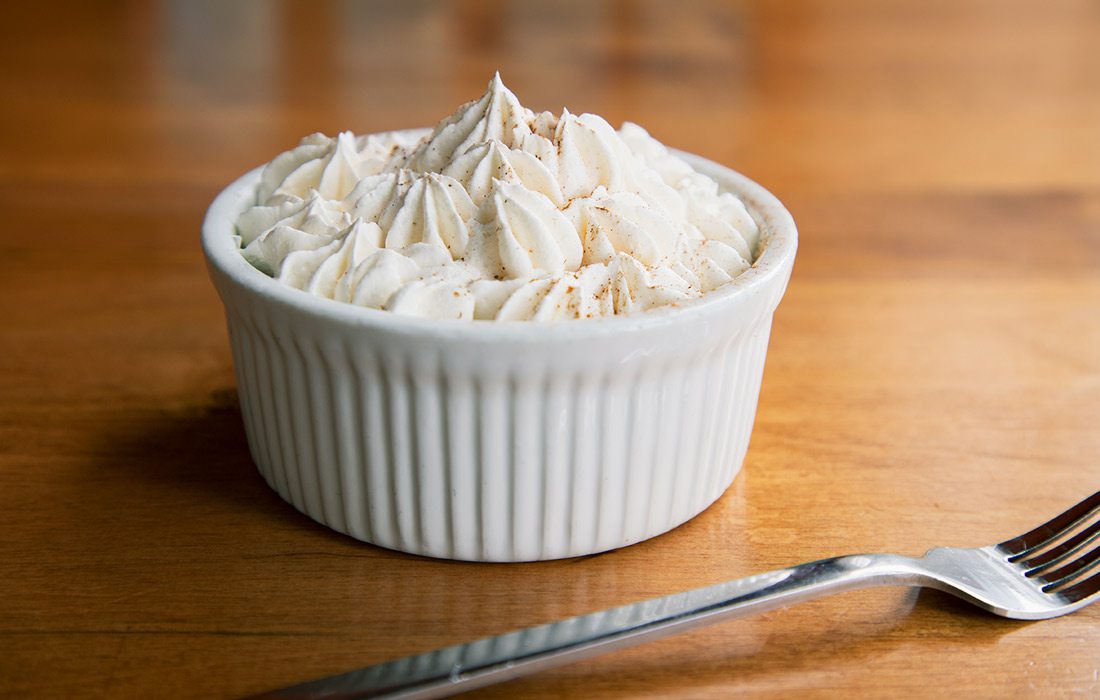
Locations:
(629, 454)
(321, 422)
(412, 453)
(493, 428)
(641, 437)
(749, 364)
(718, 394)
(562, 482)
(320, 418)
(373, 489)
(395, 449)
(480, 468)
(461, 446)
(528, 465)
(350, 440)
(686, 460)
(582, 500)
(431, 467)
(259, 379)
(689, 428)
(559, 432)
(644, 413)
(734, 362)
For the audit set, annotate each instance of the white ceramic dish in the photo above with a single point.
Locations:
(499, 441)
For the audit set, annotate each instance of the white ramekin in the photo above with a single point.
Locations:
(499, 441)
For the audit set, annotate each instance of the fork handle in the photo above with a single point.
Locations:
(492, 660)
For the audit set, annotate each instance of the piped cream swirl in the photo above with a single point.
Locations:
(498, 213)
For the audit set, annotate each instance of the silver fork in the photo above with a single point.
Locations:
(1049, 571)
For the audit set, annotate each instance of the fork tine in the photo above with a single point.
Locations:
(1089, 588)
(1028, 542)
(1071, 571)
(1055, 556)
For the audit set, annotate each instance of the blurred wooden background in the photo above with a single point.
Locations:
(933, 378)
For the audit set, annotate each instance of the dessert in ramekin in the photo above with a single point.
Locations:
(457, 408)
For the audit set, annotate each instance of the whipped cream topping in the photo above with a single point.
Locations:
(498, 213)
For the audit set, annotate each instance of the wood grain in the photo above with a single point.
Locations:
(933, 378)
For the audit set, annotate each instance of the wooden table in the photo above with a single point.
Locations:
(933, 377)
